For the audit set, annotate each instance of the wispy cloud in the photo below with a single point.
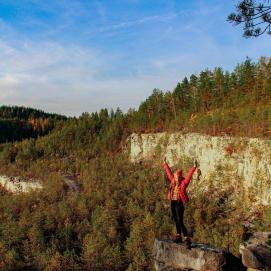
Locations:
(101, 12)
(66, 79)
(127, 24)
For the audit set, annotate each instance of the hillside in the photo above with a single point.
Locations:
(213, 102)
(111, 223)
(17, 123)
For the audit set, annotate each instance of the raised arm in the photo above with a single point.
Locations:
(168, 171)
(190, 173)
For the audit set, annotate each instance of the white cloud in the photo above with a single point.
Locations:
(67, 79)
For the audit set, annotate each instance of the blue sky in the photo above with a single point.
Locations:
(74, 56)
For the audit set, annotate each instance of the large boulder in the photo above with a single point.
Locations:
(256, 252)
(169, 256)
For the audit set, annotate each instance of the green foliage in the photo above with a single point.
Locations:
(97, 228)
(8, 153)
(25, 113)
(17, 123)
(111, 223)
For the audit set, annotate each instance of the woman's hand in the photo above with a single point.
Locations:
(195, 163)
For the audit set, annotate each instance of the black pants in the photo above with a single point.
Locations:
(177, 209)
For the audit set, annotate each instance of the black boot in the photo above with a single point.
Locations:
(187, 242)
(177, 238)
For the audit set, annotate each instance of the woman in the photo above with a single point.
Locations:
(178, 197)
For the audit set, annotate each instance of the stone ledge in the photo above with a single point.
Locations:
(256, 253)
(169, 256)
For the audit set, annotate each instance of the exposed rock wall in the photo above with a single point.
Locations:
(19, 185)
(248, 159)
(256, 251)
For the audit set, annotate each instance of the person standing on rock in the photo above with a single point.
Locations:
(178, 198)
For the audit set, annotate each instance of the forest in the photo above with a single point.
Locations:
(17, 123)
(111, 223)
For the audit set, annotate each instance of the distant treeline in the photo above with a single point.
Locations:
(26, 113)
(17, 123)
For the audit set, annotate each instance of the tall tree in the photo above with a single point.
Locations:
(219, 87)
(206, 89)
(194, 92)
(181, 95)
(245, 73)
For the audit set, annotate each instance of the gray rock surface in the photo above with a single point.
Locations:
(169, 256)
(256, 252)
(19, 184)
(70, 182)
(24, 185)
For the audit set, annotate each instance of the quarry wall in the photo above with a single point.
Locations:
(246, 160)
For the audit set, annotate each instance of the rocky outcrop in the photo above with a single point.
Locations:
(24, 185)
(246, 159)
(19, 184)
(256, 252)
(70, 183)
(169, 256)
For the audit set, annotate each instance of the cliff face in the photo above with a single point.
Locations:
(256, 252)
(243, 160)
(19, 185)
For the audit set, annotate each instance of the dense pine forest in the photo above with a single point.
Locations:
(17, 123)
(110, 224)
(216, 102)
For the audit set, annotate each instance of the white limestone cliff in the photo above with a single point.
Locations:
(246, 159)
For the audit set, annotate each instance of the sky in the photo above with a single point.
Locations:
(78, 56)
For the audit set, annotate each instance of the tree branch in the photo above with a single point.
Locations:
(253, 18)
(253, 25)
(252, 14)
(257, 35)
